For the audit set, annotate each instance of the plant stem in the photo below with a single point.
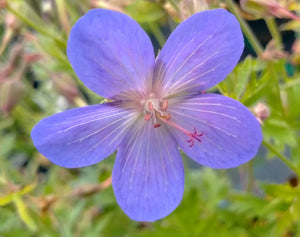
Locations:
(281, 157)
(276, 85)
(63, 16)
(246, 29)
(36, 27)
(270, 21)
(250, 180)
(290, 84)
(157, 33)
(174, 5)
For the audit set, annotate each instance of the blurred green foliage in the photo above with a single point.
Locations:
(38, 198)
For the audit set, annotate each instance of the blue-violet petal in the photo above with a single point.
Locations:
(148, 176)
(82, 136)
(200, 53)
(231, 135)
(110, 53)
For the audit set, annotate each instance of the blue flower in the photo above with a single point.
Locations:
(157, 107)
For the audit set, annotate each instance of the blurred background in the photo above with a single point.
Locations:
(38, 198)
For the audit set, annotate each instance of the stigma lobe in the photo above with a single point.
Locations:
(192, 136)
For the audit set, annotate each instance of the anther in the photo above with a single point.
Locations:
(147, 117)
(165, 116)
(150, 105)
(165, 104)
(155, 108)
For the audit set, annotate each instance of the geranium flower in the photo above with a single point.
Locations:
(157, 107)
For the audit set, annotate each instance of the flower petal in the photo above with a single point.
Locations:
(110, 53)
(148, 176)
(82, 136)
(231, 134)
(200, 53)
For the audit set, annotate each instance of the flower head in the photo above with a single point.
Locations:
(157, 107)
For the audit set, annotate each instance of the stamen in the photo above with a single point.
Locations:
(147, 117)
(150, 105)
(165, 104)
(164, 115)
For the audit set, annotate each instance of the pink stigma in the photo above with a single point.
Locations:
(192, 136)
(196, 135)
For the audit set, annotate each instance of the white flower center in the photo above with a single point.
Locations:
(154, 107)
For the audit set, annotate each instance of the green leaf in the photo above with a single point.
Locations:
(6, 199)
(24, 213)
(145, 11)
(27, 189)
(10, 196)
(243, 73)
(257, 88)
(247, 204)
(277, 129)
(7, 143)
(284, 192)
(237, 82)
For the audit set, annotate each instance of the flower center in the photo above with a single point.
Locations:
(157, 110)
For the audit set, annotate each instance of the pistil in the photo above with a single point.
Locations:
(192, 136)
